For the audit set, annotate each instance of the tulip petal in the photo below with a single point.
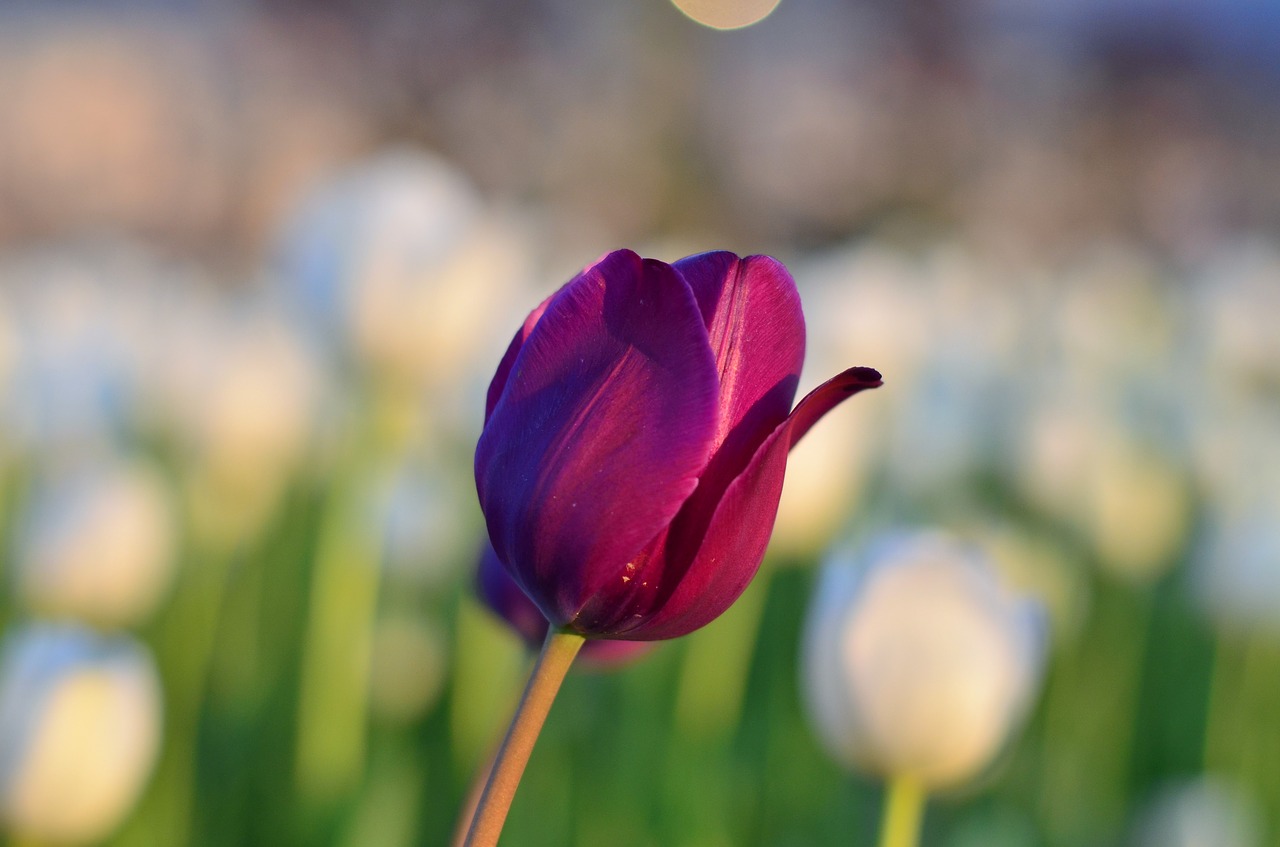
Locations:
(599, 434)
(499, 380)
(756, 331)
(734, 542)
(497, 590)
(756, 328)
(752, 312)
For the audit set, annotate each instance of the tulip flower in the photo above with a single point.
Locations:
(1199, 811)
(97, 544)
(397, 263)
(497, 590)
(917, 667)
(80, 729)
(636, 437)
(635, 440)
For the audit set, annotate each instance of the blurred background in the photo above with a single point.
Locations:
(258, 260)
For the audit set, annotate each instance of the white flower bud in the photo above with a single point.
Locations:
(916, 662)
(401, 262)
(98, 545)
(80, 726)
(1204, 812)
(826, 475)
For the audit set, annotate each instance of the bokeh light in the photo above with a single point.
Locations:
(727, 14)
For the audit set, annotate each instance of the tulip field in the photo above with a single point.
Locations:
(426, 424)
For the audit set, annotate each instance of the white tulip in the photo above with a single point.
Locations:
(861, 307)
(1041, 566)
(1139, 509)
(1203, 812)
(1237, 299)
(241, 393)
(1235, 453)
(1112, 314)
(80, 720)
(950, 425)
(1237, 566)
(1236, 562)
(258, 399)
(826, 477)
(98, 544)
(1079, 460)
(916, 663)
(424, 528)
(401, 261)
(864, 304)
(73, 364)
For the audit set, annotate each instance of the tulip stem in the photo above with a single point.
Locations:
(558, 652)
(904, 801)
(472, 800)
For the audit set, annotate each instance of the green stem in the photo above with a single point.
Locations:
(189, 636)
(904, 801)
(1089, 740)
(713, 681)
(1220, 718)
(332, 704)
(1258, 704)
(558, 652)
(472, 801)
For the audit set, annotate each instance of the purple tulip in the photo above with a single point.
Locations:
(499, 592)
(636, 435)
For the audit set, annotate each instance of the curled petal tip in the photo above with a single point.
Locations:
(859, 378)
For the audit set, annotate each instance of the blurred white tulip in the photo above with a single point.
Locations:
(1201, 812)
(1234, 449)
(243, 394)
(1236, 559)
(1139, 509)
(861, 306)
(257, 402)
(80, 726)
(951, 424)
(864, 303)
(77, 311)
(98, 544)
(1237, 565)
(974, 304)
(1056, 437)
(1041, 567)
(1080, 461)
(826, 478)
(425, 528)
(1237, 296)
(399, 260)
(1113, 312)
(916, 662)
(179, 347)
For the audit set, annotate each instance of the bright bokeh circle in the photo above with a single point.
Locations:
(727, 14)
